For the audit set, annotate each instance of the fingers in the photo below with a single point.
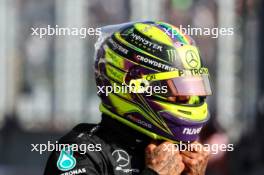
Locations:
(157, 151)
(150, 148)
(181, 167)
(168, 147)
(199, 148)
(189, 154)
(187, 160)
(196, 147)
(164, 159)
(153, 145)
(196, 159)
(198, 155)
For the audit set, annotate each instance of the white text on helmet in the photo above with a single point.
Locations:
(146, 42)
(191, 131)
(155, 63)
(117, 46)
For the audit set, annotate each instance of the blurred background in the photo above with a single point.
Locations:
(47, 84)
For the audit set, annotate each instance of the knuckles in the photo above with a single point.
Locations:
(194, 162)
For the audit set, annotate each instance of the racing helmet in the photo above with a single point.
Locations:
(150, 77)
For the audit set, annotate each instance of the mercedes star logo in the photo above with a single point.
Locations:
(192, 59)
(121, 157)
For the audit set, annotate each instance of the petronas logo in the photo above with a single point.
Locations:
(66, 160)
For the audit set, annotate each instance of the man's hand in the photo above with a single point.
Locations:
(195, 161)
(163, 160)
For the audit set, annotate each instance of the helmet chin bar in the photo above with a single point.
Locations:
(183, 131)
(152, 135)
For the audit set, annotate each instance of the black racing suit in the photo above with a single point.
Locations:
(122, 150)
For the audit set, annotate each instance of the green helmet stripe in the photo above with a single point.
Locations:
(114, 73)
(154, 114)
(131, 107)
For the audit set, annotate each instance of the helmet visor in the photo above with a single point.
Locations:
(176, 83)
(188, 86)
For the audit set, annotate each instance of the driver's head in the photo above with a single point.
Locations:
(152, 79)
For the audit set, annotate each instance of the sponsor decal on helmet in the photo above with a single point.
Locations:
(172, 55)
(192, 59)
(151, 77)
(141, 122)
(66, 160)
(155, 63)
(191, 131)
(194, 72)
(189, 56)
(117, 46)
(113, 58)
(146, 42)
(115, 73)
